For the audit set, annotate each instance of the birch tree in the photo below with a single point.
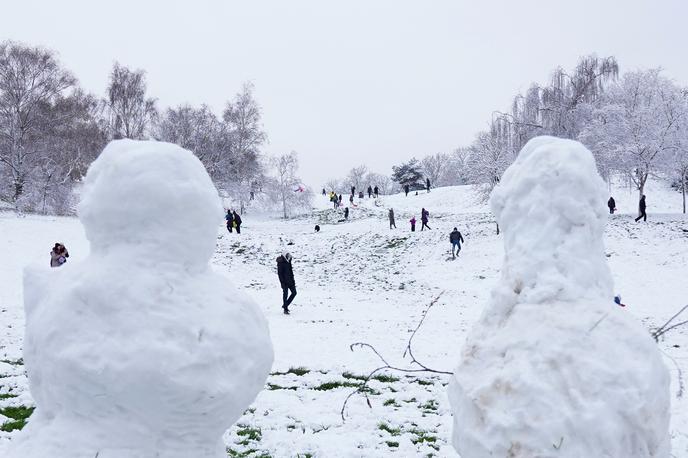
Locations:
(131, 111)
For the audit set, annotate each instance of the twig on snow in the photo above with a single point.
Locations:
(666, 328)
(387, 366)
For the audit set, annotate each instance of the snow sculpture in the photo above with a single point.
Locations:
(554, 368)
(141, 350)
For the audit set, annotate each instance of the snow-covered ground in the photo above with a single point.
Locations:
(358, 281)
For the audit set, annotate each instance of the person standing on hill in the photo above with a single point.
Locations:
(376, 192)
(641, 208)
(391, 219)
(346, 213)
(340, 199)
(456, 239)
(611, 203)
(286, 278)
(237, 222)
(406, 189)
(427, 186)
(353, 190)
(323, 193)
(229, 217)
(370, 192)
(424, 219)
(413, 223)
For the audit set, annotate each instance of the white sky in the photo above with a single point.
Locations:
(355, 81)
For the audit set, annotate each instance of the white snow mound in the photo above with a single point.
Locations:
(141, 350)
(554, 368)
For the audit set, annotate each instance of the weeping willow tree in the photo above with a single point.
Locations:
(560, 108)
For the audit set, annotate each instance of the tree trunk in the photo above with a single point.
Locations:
(284, 205)
(683, 191)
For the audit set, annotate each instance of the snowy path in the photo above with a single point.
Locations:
(358, 281)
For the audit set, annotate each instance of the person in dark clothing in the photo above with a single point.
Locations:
(346, 213)
(230, 220)
(353, 190)
(611, 203)
(340, 199)
(58, 255)
(286, 278)
(456, 240)
(351, 198)
(406, 189)
(370, 192)
(360, 195)
(237, 222)
(424, 219)
(317, 228)
(413, 223)
(323, 193)
(376, 191)
(641, 207)
(427, 186)
(392, 224)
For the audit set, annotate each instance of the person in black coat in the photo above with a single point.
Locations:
(353, 190)
(406, 189)
(376, 191)
(641, 208)
(456, 240)
(611, 203)
(237, 222)
(286, 278)
(427, 184)
(230, 220)
(346, 213)
(370, 192)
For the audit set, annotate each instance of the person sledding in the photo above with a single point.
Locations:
(286, 278)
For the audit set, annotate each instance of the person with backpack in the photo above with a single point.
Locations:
(456, 239)
(391, 219)
(641, 208)
(376, 192)
(406, 189)
(413, 223)
(611, 203)
(424, 218)
(285, 273)
(58, 255)
(237, 222)
(230, 220)
(370, 192)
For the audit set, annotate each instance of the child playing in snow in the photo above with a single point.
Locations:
(413, 224)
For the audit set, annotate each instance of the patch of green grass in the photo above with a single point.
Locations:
(392, 444)
(249, 434)
(17, 362)
(410, 400)
(395, 242)
(250, 453)
(7, 395)
(423, 382)
(387, 428)
(431, 405)
(390, 402)
(18, 416)
(273, 387)
(300, 371)
(424, 437)
(349, 375)
(335, 384)
(384, 378)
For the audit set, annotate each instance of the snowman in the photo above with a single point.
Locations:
(553, 368)
(141, 350)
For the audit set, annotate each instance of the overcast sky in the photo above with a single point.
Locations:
(357, 82)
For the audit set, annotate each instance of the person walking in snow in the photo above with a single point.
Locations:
(424, 219)
(376, 192)
(427, 186)
(353, 190)
(370, 192)
(237, 222)
(229, 217)
(58, 255)
(391, 219)
(611, 203)
(406, 189)
(323, 193)
(346, 213)
(456, 239)
(413, 223)
(641, 208)
(286, 278)
(340, 199)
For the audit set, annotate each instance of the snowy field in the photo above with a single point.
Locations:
(358, 281)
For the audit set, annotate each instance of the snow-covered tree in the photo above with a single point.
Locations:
(409, 173)
(357, 177)
(131, 111)
(635, 124)
(676, 165)
(490, 156)
(384, 183)
(285, 186)
(434, 166)
(31, 79)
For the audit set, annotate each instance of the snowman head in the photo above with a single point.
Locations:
(551, 207)
(150, 199)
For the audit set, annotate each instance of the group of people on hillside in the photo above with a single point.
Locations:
(424, 218)
(642, 208)
(233, 220)
(407, 188)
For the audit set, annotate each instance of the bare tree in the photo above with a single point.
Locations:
(286, 187)
(30, 78)
(131, 112)
(357, 176)
(434, 166)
